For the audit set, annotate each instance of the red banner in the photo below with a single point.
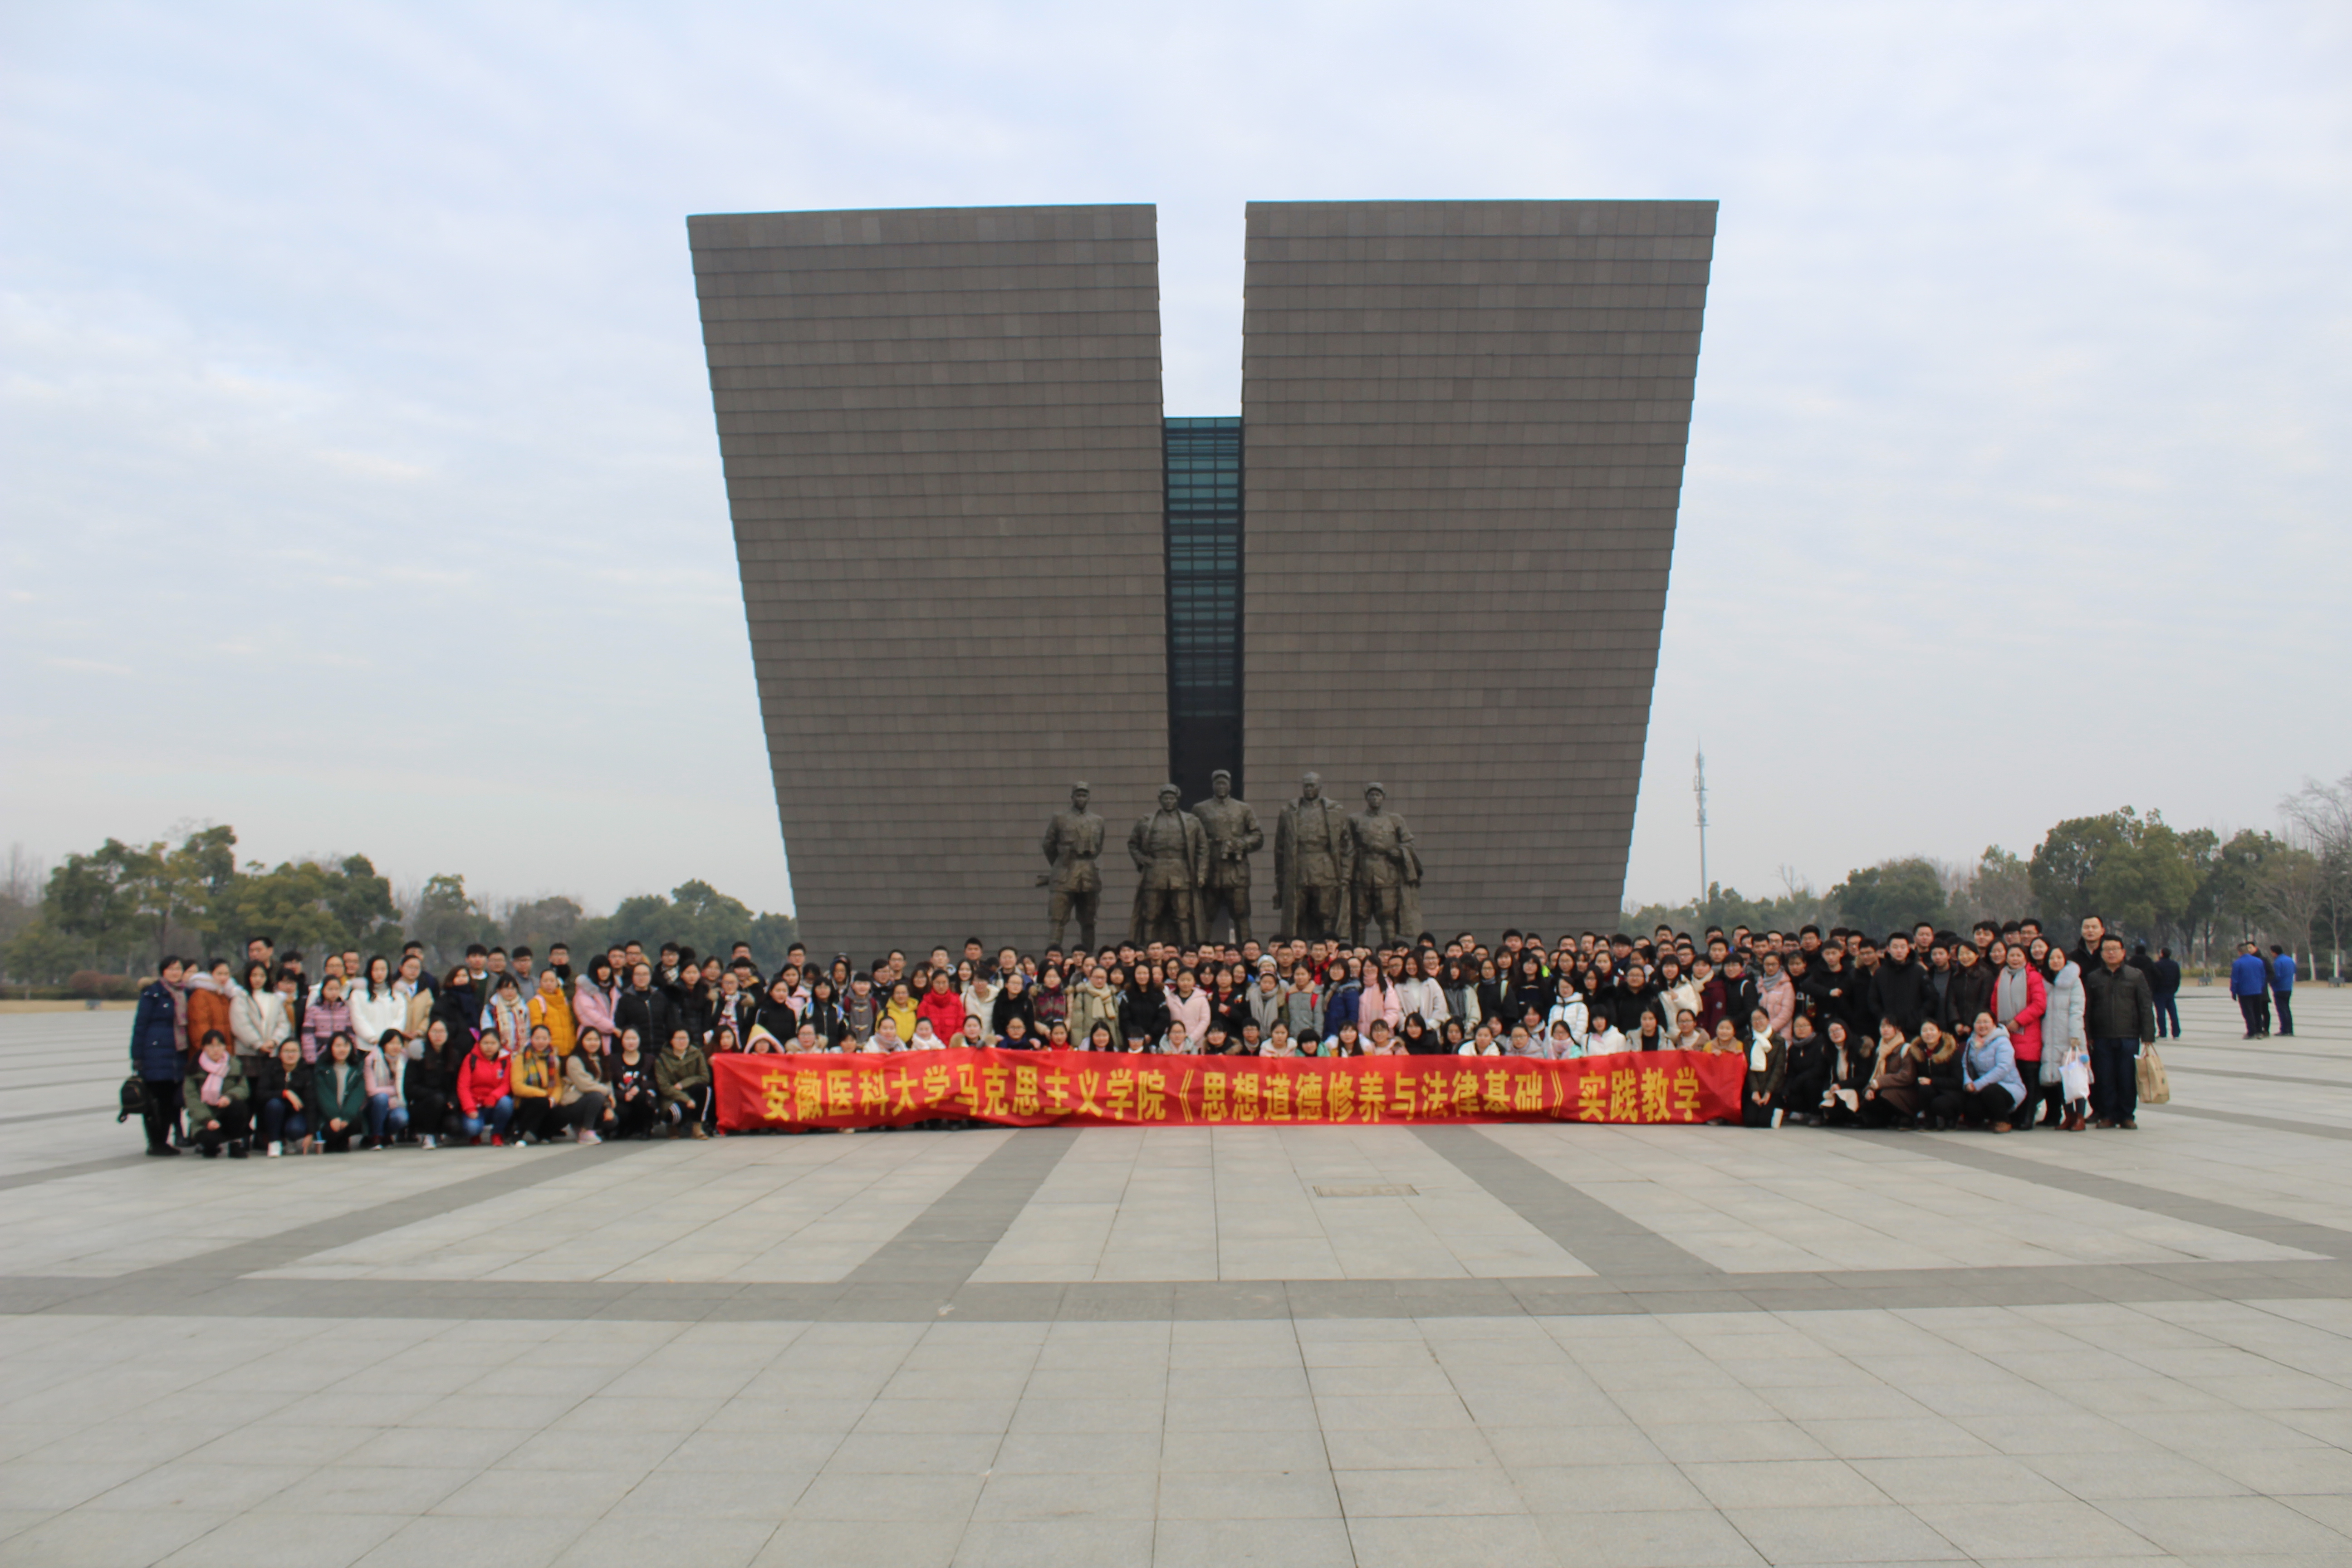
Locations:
(1087, 1089)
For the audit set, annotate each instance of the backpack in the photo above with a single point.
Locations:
(134, 1100)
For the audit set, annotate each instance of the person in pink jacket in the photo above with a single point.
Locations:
(325, 1017)
(592, 998)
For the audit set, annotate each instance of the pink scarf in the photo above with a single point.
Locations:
(215, 1071)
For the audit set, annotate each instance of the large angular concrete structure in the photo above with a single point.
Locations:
(1465, 424)
(942, 435)
(978, 564)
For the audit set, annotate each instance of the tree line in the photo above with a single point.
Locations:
(98, 919)
(2193, 891)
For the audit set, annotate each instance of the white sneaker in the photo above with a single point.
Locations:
(1776, 1116)
(428, 1142)
(273, 1151)
(586, 1135)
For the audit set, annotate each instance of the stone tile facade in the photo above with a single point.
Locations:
(1466, 426)
(942, 435)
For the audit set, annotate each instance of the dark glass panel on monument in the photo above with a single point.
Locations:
(1205, 601)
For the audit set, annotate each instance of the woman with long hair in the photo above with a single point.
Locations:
(257, 1015)
(593, 995)
(376, 1005)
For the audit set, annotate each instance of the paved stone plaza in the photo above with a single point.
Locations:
(1378, 1345)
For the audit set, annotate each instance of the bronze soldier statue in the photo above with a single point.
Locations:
(1172, 860)
(1384, 884)
(1073, 845)
(1234, 836)
(1310, 864)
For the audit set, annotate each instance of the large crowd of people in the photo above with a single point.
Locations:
(2003, 1028)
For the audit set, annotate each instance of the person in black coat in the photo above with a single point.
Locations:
(1143, 1012)
(823, 1014)
(1901, 990)
(1806, 1079)
(777, 1015)
(458, 1009)
(645, 1008)
(156, 1059)
(1968, 994)
(430, 1082)
(1633, 996)
(283, 1100)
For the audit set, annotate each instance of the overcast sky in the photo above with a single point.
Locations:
(361, 488)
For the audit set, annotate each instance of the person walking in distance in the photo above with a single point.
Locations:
(2282, 987)
(2164, 985)
(2250, 982)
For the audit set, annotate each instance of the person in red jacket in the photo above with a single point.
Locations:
(942, 1005)
(2019, 1000)
(485, 1091)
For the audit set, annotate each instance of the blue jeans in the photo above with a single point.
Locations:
(384, 1115)
(281, 1123)
(494, 1117)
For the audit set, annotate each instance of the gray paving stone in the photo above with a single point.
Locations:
(1869, 1534)
(1252, 1543)
(1678, 1538)
(1209, 1495)
(1457, 1541)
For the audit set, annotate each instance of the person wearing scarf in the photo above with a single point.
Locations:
(217, 1099)
(1768, 1068)
(585, 1101)
(535, 1077)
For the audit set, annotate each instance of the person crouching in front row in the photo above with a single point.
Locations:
(484, 1091)
(217, 1099)
(1768, 1068)
(281, 1100)
(632, 1089)
(339, 1093)
(387, 1103)
(682, 1085)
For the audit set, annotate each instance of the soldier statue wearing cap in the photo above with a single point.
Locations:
(1073, 845)
(1171, 860)
(1385, 882)
(1234, 836)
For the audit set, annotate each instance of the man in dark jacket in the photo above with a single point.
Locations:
(2164, 985)
(1901, 990)
(2119, 1017)
(2086, 952)
(647, 1008)
(156, 1058)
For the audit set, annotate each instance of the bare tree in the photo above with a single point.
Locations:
(2320, 815)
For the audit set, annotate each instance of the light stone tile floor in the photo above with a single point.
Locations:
(2206, 1424)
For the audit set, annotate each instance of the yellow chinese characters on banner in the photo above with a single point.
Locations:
(1080, 1088)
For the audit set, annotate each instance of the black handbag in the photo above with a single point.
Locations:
(134, 1100)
